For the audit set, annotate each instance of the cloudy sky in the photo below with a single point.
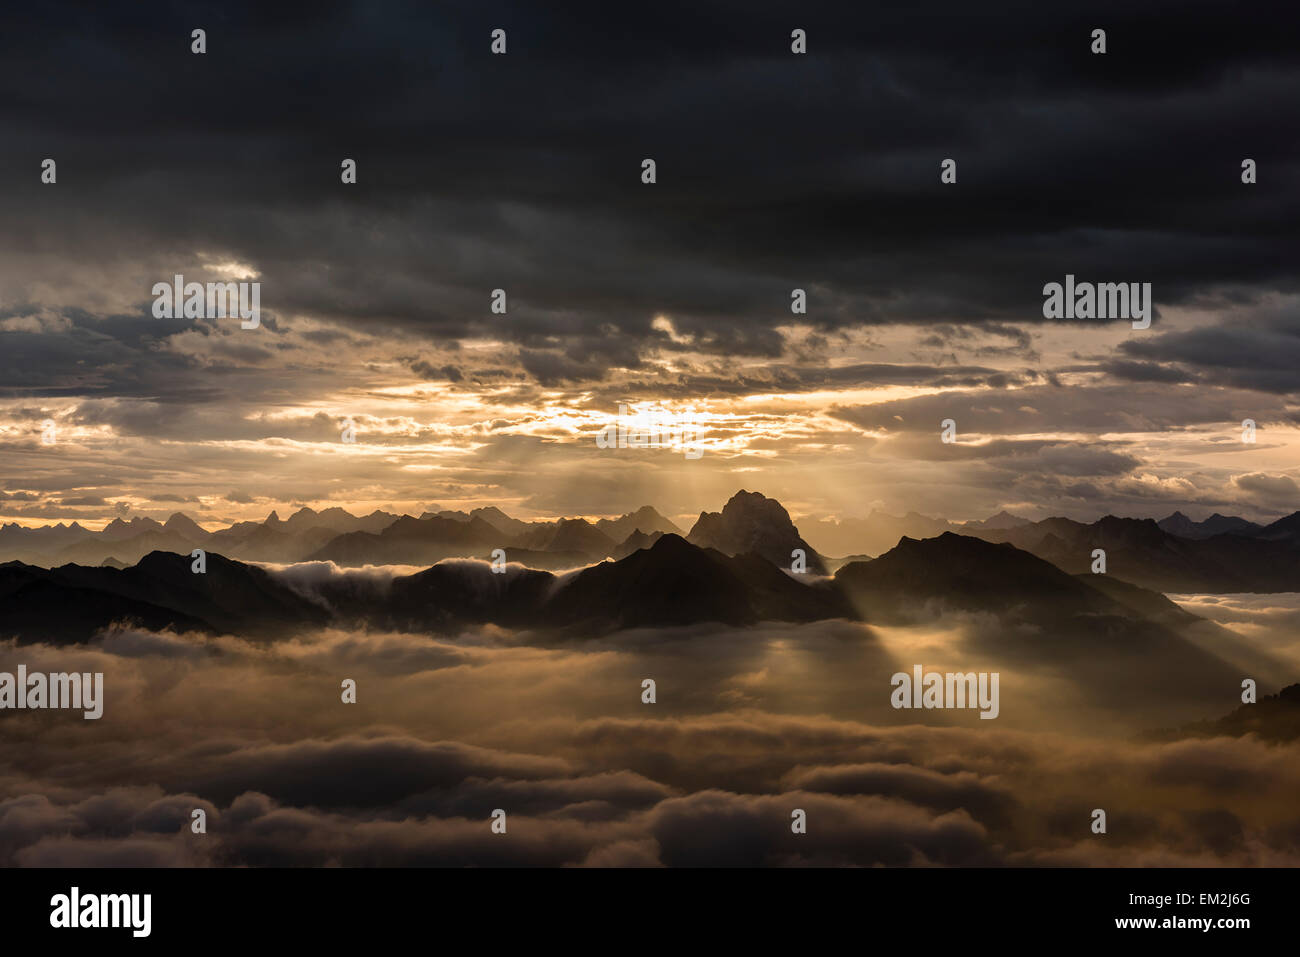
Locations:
(523, 172)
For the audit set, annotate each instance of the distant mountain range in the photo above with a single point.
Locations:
(127, 541)
(748, 522)
(1220, 554)
(672, 582)
(1116, 641)
(1140, 551)
(1175, 554)
(336, 535)
(880, 531)
(1182, 526)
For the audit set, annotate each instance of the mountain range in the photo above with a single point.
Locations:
(671, 582)
(1140, 551)
(336, 535)
(1176, 554)
(1220, 554)
(1114, 637)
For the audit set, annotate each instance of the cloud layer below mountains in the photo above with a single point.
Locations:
(749, 725)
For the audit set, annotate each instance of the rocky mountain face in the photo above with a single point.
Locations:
(752, 523)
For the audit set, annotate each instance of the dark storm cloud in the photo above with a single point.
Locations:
(522, 172)
(1149, 407)
(109, 354)
(775, 171)
(1275, 491)
(1262, 354)
(778, 377)
(426, 371)
(1128, 370)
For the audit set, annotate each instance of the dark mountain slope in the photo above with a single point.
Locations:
(1036, 617)
(37, 605)
(675, 583)
(1141, 552)
(1273, 718)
